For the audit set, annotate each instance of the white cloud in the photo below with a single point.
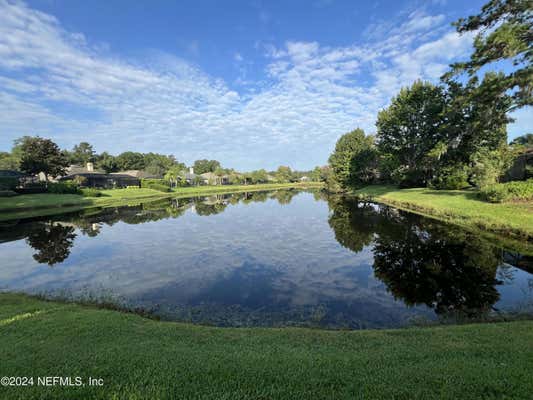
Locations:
(54, 83)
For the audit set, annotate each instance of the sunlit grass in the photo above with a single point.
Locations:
(142, 358)
(459, 206)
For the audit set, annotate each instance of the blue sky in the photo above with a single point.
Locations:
(251, 83)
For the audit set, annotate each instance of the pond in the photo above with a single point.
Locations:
(283, 258)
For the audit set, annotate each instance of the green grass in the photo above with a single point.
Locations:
(139, 358)
(461, 207)
(35, 205)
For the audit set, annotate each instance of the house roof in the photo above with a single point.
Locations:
(190, 176)
(80, 169)
(10, 173)
(209, 175)
(97, 175)
(137, 173)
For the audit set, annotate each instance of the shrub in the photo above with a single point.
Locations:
(489, 165)
(450, 178)
(63, 188)
(90, 192)
(156, 184)
(511, 191)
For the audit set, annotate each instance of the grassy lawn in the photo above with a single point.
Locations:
(34, 205)
(461, 207)
(142, 358)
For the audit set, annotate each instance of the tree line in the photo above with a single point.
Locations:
(35, 155)
(453, 134)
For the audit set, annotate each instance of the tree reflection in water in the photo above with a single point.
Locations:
(421, 261)
(52, 241)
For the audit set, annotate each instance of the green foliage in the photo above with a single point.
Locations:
(9, 161)
(489, 165)
(67, 187)
(284, 174)
(107, 162)
(203, 166)
(42, 155)
(410, 128)
(259, 176)
(503, 30)
(510, 191)
(524, 140)
(90, 192)
(156, 184)
(81, 154)
(451, 178)
(345, 162)
(130, 160)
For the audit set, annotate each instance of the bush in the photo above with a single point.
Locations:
(156, 184)
(90, 192)
(63, 188)
(489, 165)
(450, 178)
(7, 193)
(511, 191)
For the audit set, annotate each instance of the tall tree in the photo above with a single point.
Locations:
(42, 155)
(82, 153)
(203, 166)
(347, 149)
(504, 32)
(411, 127)
(130, 160)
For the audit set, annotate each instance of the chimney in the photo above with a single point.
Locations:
(191, 170)
(90, 167)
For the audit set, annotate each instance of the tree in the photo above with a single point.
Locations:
(475, 118)
(284, 174)
(174, 175)
(524, 140)
(42, 155)
(130, 160)
(82, 154)
(504, 32)
(158, 164)
(411, 127)
(8, 161)
(347, 148)
(107, 162)
(203, 166)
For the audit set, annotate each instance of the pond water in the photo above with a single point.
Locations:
(267, 259)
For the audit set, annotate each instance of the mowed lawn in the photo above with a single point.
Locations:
(139, 358)
(461, 207)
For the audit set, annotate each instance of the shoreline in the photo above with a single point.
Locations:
(45, 204)
(509, 223)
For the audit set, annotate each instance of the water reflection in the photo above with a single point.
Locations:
(422, 261)
(269, 258)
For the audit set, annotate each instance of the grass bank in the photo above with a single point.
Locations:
(36, 205)
(461, 207)
(142, 358)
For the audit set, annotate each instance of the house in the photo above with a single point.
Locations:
(304, 179)
(88, 177)
(191, 178)
(137, 173)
